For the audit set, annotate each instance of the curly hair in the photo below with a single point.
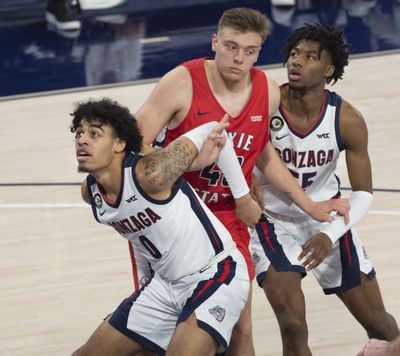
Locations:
(329, 40)
(108, 112)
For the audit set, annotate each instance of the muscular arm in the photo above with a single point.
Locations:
(271, 165)
(159, 170)
(355, 136)
(167, 104)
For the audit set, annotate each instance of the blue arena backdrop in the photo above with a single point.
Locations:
(142, 39)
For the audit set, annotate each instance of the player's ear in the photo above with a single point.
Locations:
(330, 69)
(119, 145)
(214, 40)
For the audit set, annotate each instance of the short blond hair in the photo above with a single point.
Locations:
(244, 20)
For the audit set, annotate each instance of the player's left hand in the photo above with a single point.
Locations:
(315, 250)
(248, 210)
(321, 211)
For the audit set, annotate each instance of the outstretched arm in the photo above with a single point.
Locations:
(158, 171)
(198, 148)
(271, 165)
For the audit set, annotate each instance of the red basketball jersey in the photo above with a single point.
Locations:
(248, 131)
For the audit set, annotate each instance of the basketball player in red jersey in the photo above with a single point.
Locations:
(201, 90)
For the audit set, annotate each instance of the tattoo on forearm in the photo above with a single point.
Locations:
(163, 167)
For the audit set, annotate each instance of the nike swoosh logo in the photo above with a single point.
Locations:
(102, 212)
(200, 113)
(281, 137)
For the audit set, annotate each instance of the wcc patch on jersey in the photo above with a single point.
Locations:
(276, 123)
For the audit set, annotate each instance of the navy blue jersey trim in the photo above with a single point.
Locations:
(121, 190)
(273, 250)
(90, 180)
(328, 291)
(206, 288)
(213, 236)
(119, 320)
(336, 100)
(351, 273)
(350, 262)
(318, 121)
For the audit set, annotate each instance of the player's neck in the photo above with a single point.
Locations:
(303, 106)
(232, 96)
(110, 181)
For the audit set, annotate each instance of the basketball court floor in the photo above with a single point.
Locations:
(61, 272)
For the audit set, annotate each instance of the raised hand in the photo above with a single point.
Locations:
(212, 146)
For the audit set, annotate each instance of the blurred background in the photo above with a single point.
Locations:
(112, 42)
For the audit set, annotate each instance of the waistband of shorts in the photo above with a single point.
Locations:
(218, 258)
(286, 218)
(211, 262)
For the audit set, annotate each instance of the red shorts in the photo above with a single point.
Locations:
(240, 235)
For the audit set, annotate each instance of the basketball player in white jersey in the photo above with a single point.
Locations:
(310, 129)
(200, 283)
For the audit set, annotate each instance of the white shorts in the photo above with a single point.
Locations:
(277, 240)
(216, 296)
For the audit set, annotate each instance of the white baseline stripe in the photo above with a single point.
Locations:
(385, 212)
(83, 205)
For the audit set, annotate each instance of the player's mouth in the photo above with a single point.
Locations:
(294, 75)
(82, 155)
(235, 70)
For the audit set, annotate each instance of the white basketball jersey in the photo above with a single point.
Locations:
(310, 156)
(177, 236)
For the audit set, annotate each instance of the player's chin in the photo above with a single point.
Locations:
(83, 169)
(295, 85)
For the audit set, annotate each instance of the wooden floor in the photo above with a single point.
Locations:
(61, 272)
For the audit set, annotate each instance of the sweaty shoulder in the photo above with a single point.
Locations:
(352, 123)
(349, 114)
(167, 104)
(178, 80)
